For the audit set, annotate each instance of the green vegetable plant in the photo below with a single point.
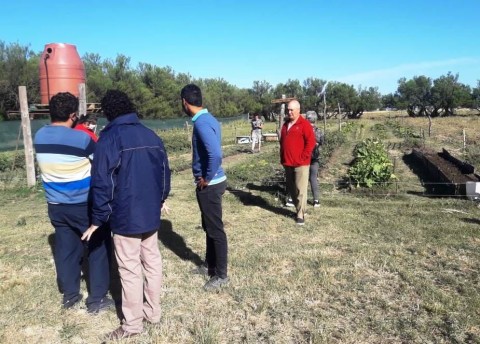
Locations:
(371, 165)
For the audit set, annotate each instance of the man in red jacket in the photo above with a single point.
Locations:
(297, 141)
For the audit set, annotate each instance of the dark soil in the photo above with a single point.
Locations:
(438, 174)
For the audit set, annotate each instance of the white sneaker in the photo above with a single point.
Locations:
(316, 203)
(289, 203)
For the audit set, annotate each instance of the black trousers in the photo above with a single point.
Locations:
(210, 203)
(69, 221)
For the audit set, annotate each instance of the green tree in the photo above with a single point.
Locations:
(415, 95)
(447, 94)
(390, 101)
(97, 80)
(18, 67)
(342, 99)
(260, 98)
(476, 96)
(312, 87)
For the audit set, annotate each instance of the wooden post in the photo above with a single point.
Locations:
(27, 136)
(324, 112)
(189, 138)
(339, 118)
(282, 117)
(464, 141)
(82, 100)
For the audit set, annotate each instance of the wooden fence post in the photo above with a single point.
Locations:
(82, 100)
(282, 116)
(27, 136)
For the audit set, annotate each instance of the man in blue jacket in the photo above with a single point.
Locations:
(130, 183)
(211, 184)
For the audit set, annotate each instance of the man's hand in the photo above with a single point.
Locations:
(201, 183)
(165, 208)
(88, 233)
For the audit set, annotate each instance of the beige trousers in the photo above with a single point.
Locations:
(297, 187)
(139, 256)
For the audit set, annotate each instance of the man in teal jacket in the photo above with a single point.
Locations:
(211, 184)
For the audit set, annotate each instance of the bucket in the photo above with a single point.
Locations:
(61, 70)
(473, 190)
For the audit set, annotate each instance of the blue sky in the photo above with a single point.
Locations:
(362, 42)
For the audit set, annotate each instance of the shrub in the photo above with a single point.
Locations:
(332, 140)
(12, 160)
(371, 164)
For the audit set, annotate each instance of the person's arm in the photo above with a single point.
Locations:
(310, 142)
(166, 173)
(107, 160)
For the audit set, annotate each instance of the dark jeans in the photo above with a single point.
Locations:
(69, 221)
(210, 203)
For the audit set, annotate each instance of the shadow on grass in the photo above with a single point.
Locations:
(175, 243)
(249, 199)
(115, 284)
(470, 220)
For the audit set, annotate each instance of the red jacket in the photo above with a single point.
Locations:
(82, 127)
(297, 143)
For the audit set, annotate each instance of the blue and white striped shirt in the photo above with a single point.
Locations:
(64, 155)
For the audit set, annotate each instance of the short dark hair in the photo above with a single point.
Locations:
(192, 94)
(62, 105)
(116, 103)
(88, 118)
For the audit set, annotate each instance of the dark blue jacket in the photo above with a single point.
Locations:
(130, 177)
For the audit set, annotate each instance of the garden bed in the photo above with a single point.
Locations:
(448, 172)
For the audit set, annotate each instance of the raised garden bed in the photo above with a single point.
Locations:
(445, 171)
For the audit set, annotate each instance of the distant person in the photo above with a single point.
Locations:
(87, 124)
(257, 126)
(63, 155)
(211, 183)
(315, 161)
(296, 144)
(130, 183)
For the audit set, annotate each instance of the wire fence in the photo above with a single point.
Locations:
(277, 188)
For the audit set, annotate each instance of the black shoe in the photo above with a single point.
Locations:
(300, 222)
(200, 270)
(72, 302)
(215, 283)
(102, 305)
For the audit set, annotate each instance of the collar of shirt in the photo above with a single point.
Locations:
(198, 114)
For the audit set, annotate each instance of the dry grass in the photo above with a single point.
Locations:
(393, 269)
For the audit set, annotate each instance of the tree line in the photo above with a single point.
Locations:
(156, 90)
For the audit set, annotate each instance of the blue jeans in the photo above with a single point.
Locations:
(70, 221)
(210, 203)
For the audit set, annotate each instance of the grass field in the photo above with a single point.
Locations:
(392, 266)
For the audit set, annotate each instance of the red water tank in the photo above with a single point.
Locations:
(61, 70)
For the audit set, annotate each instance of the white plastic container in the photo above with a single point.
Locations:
(473, 190)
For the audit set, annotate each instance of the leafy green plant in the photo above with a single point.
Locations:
(380, 130)
(371, 165)
(401, 131)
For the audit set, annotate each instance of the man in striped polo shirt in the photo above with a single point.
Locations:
(64, 155)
